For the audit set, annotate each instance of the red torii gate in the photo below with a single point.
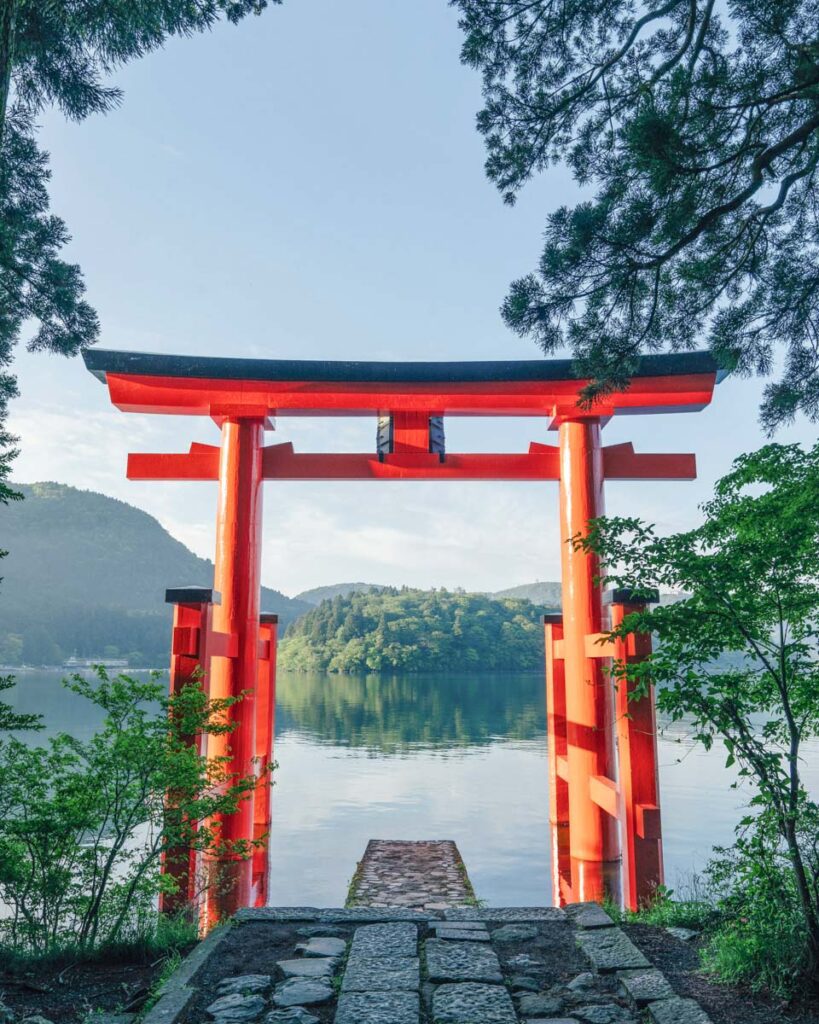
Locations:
(602, 749)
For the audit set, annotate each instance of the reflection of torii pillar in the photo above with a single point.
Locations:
(589, 738)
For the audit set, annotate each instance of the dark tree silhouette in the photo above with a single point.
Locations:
(697, 125)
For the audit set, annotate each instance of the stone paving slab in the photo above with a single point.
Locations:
(462, 935)
(607, 1013)
(277, 914)
(302, 992)
(308, 967)
(322, 946)
(245, 985)
(644, 986)
(396, 873)
(461, 961)
(677, 1011)
(504, 915)
(610, 949)
(333, 915)
(471, 1003)
(377, 940)
(550, 1020)
(469, 926)
(378, 1008)
(382, 974)
(236, 1008)
(539, 1004)
(291, 1015)
(588, 915)
(373, 915)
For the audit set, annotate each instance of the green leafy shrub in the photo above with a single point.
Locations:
(84, 826)
(750, 576)
(761, 939)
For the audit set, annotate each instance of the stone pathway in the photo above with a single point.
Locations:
(383, 976)
(413, 947)
(469, 973)
(421, 875)
(463, 965)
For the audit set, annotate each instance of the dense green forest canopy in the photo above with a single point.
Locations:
(408, 630)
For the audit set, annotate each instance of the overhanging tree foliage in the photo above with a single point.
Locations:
(752, 573)
(62, 52)
(698, 125)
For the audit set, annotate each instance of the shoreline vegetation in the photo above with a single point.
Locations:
(407, 630)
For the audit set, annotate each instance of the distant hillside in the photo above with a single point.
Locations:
(389, 630)
(87, 574)
(539, 593)
(319, 594)
(547, 594)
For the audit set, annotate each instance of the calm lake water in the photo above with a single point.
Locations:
(434, 757)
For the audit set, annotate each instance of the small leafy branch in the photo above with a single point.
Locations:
(738, 657)
(85, 825)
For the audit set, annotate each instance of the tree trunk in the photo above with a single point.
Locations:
(8, 18)
(809, 908)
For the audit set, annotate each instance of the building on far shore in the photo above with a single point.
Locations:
(75, 662)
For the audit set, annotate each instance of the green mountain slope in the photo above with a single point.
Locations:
(540, 593)
(87, 574)
(390, 630)
(319, 594)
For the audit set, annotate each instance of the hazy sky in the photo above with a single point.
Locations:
(310, 185)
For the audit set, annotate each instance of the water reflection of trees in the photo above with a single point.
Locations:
(393, 713)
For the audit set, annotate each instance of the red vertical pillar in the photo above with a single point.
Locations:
(556, 738)
(265, 732)
(237, 576)
(639, 777)
(593, 835)
(192, 616)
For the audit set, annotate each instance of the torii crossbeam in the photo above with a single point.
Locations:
(603, 812)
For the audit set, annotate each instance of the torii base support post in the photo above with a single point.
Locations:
(265, 732)
(639, 776)
(192, 625)
(558, 765)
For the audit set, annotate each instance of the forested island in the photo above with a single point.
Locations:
(387, 629)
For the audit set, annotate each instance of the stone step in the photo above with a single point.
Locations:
(470, 1003)
(462, 961)
(382, 976)
(378, 1008)
(610, 949)
(385, 940)
(677, 1011)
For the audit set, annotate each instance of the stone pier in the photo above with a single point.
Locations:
(427, 875)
